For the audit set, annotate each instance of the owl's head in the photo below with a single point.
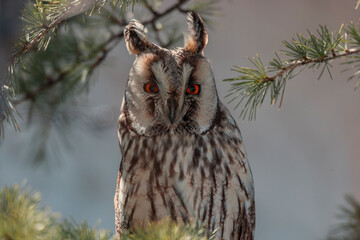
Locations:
(170, 91)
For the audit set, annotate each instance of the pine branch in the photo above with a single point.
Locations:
(40, 19)
(167, 229)
(176, 6)
(22, 217)
(70, 229)
(349, 227)
(296, 64)
(316, 51)
(28, 44)
(45, 16)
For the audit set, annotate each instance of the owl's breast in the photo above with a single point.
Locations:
(217, 152)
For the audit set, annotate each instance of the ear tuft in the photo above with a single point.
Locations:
(135, 37)
(197, 37)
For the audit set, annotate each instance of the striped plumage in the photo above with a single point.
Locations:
(183, 155)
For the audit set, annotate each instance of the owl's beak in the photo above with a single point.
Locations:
(172, 105)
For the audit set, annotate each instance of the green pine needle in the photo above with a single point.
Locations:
(349, 226)
(70, 230)
(315, 51)
(21, 216)
(168, 230)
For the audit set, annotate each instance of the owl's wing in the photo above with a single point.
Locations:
(116, 204)
(240, 199)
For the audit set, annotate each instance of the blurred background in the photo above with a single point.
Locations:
(304, 158)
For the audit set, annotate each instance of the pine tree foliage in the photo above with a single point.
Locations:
(61, 45)
(70, 230)
(49, 81)
(22, 217)
(41, 19)
(311, 51)
(167, 229)
(349, 228)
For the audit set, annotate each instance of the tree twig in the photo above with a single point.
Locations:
(300, 63)
(28, 45)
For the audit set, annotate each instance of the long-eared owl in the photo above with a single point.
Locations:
(182, 153)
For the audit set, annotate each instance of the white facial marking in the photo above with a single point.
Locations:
(208, 96)
(158, 69)
(187, 69)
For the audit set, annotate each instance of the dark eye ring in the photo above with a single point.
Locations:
(151, 88)
(193, 89)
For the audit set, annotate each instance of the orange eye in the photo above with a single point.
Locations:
(193, 89)
(151, 88)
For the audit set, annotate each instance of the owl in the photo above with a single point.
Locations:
(183, 156)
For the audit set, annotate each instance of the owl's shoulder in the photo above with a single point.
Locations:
(226, 138)
(223, 120)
